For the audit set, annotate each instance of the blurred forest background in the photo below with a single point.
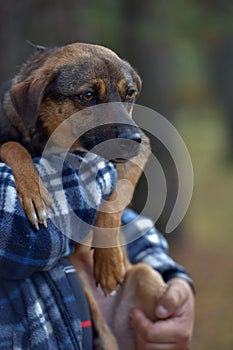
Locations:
(183, 51)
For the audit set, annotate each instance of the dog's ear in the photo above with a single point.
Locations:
(137, 80)
(135, 77)
(138, 83)
(27, 96)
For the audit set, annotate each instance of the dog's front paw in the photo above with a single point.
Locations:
(35, 199)
(31, 191)
(109, 268)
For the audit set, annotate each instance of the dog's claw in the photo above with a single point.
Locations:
(114, 292)
(36, 225)
(35, 209)
(42, 215)
(32, 217)
(45, 223)
(37, 217)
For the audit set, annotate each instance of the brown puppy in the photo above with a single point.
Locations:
(53, 85)
(50, 87)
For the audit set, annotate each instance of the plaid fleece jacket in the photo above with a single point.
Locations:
(38, 309)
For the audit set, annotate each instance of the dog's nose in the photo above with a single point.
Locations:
(126, 148)
(133, 137)
(117, 142)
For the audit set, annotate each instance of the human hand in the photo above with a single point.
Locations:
(174, 327)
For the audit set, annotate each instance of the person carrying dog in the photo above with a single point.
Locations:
(42, 305)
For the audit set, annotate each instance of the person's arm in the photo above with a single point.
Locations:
(175, 310)
(147, 244)
(23, 249)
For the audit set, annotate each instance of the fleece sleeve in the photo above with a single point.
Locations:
(147, 244)
(77, 188)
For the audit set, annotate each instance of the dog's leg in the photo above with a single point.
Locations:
(82, 259)
(109, 269)
(32, 193)
(104, 338)
(142, 289)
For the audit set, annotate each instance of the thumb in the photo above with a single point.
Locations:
(170, 301)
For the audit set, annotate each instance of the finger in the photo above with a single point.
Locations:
(149, 335)
(137, 318)
(142, 327)
(170, 301)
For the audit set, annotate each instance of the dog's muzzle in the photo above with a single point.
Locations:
(116, 142)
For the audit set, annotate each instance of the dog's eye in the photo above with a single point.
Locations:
(131, 95)
(88, 96)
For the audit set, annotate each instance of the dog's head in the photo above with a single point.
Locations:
(58, 82)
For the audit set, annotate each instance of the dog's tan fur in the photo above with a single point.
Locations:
(53, 85)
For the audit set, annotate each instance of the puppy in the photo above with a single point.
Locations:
(53, 85)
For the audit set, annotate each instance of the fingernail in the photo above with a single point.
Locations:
(161, 311)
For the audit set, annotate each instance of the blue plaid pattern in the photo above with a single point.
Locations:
(38, 309)
(151, 246)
